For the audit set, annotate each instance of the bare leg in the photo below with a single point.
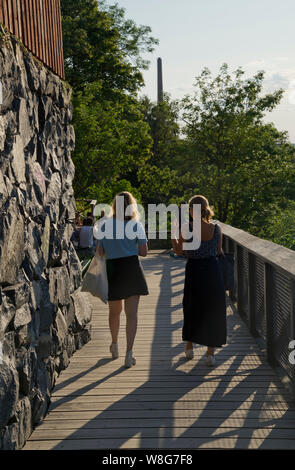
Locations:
(115, 308)
(189, 345)
(131, 309)
(210, 352)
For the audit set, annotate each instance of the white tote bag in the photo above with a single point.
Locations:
(95, 280)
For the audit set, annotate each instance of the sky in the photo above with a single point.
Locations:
(193, 34)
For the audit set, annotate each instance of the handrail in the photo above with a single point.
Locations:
(277, 255)
(85, 267)
(265, 293)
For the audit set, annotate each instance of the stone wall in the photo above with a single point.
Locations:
(44, 317)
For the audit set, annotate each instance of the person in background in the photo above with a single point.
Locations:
(204, 305)
(99, 219)
(77, 227)
(86, 239)
(78, 220)
(176, 224)
(90, 216)
(102, 215)
(126, 278)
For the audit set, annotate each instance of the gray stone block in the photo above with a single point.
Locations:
(10, 437)
(18, 294)
(36, 294)
(9, 393)
(24, 421)
(33, 250)
(11, 243)
(9, 348)
(59, 286)
(3, 188)
(7, 313)
(39, 406)
(61, 329)
(22, 316)
(23, 336)
(83, 310)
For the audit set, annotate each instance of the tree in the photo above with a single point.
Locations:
(112, 139)
(162, 185)
(133, 40)
(101, 45)
(281, 227)
(103, 64)
(240, 162)
(164, 179)
(162, 119)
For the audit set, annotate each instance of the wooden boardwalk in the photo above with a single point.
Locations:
(166, 401)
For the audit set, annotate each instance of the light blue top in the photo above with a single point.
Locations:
(119, 238)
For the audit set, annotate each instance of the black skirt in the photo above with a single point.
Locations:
(125, 278)
(204, 304)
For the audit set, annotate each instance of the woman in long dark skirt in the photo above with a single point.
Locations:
(204, 306)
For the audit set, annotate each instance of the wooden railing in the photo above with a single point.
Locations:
(37, 23)
(265, 295)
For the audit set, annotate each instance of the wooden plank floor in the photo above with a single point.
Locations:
(166, 401)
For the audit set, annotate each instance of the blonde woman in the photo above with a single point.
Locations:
(125, 274)
(204, 305)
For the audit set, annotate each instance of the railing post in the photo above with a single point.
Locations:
(268, 296)
(292, 330)
(251, 294)
(230, 248)
(292, 309)
(226, 243)
(237, 288)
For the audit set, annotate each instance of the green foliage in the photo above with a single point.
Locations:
(281, 226)
(224, 150)
(101, 45)
(163, 185)
(111, 138)
(241, 163)
(133, 39)
(164, 179)
(103, 64)
(162, 119)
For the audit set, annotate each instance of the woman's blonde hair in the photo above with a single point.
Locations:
(129, 202)
(206, 211)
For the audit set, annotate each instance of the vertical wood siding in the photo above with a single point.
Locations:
(37, 23)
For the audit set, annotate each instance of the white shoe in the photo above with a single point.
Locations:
(210, 361)
(189, 353)
(129, 360)
(114, 350)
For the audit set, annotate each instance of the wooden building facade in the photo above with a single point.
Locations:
(37, 23)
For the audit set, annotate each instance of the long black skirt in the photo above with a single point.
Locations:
(204, 305)
(125, 278)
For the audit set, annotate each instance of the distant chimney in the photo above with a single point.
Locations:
(160, 81)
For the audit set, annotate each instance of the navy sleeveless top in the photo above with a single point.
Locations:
(208, 248)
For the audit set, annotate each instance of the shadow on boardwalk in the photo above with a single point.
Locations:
(235, 405)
